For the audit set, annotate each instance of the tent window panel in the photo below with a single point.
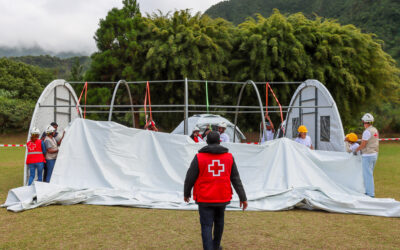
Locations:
(295, 125)
(325, 122)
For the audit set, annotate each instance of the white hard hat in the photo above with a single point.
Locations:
(50, 129)
(35, 131)
(196, 129)
(367, 118)
(222, 125)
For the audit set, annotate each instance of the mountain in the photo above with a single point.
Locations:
(381, 17)
(60, 67)
(35, 51)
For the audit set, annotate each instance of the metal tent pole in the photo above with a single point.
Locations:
(186, 116)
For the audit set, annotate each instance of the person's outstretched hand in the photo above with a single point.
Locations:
(243, 204)
(186, 199)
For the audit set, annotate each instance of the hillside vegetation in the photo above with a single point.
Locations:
(60, 67)
(380, 17)
(350, 63)
(20, 87)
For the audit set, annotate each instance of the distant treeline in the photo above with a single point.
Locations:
(61, 68)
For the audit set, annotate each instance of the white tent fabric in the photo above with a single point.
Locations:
(58, 92)
(324, 124)
(105, 163)
(202, 121)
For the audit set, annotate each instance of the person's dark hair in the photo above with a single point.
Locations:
(213, 138)
(54, 124)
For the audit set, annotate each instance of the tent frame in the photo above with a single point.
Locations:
(186, 107)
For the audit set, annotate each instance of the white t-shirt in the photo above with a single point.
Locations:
(224, 137)
(365, 137)
(307, 141)
(270, 136)
(354, 146)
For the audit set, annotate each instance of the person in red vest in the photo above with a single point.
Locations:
(211, 173)
(151, 125)
(196, 136)
(35, 157)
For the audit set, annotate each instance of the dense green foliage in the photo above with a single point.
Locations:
(61, 68)
(161, 47)
(350, 63)
(379, 17)
(20, 87)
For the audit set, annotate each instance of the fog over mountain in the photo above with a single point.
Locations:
(66, 26)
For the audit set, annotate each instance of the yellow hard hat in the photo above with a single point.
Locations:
(352, 137)
(302, 129)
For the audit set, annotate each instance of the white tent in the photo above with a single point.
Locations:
(202, 121)
(56, 93)
(105, 163)
(322, 118)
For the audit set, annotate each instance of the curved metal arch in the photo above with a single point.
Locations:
(259, 102)
(113, 99)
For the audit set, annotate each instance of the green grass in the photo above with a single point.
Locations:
(85, 226)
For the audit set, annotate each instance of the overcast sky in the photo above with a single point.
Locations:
(69, 25)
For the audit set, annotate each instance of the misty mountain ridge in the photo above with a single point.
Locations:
(36, 50)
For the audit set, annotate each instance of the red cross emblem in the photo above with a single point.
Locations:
(216, 168)
(31, 146)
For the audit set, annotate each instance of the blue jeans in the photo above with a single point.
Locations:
(50, 166)
(368, 164)
(32, 169)
(209, 216)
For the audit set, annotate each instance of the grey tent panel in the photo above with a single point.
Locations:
(324, 124)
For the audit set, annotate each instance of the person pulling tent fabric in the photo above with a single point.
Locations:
(269, 135)
(303, 138)
(351, 143)
(196, 136)
(151, 125)
(224, 137)
(35, 157)
(369, 148)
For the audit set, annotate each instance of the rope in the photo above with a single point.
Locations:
(145, 102)
(266, 98)
(280, 107)
(207, 103)
(79, 100)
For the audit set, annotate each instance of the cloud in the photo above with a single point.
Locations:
(69, 25)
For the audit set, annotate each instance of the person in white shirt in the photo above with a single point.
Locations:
(303, 138)
(351, 143)
(221, 129)
(269, 135)
(369, 148)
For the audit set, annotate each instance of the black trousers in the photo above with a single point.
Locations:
(211, 216)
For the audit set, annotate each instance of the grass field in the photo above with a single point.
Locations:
(85, 226)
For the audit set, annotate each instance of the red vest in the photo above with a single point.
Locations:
(213, 184)
(35, 153)
(196, 138)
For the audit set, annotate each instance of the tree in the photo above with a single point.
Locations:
(160, 47)
(20, 87)
(351, 64)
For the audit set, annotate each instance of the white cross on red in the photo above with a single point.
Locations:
(32, 146)
(216, 166)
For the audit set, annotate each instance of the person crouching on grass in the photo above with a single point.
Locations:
(211, 173)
